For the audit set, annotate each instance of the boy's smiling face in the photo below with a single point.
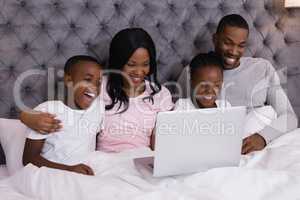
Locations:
(206, 84)
(86, 80)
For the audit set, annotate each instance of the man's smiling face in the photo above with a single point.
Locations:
(230, 44)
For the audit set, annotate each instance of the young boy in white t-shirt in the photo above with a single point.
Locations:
(206, 72)
(82, 118)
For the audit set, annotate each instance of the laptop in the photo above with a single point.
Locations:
(196, 140)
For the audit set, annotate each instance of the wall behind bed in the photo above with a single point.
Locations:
(37, 36)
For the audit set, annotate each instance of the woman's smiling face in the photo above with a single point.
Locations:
(137, 68)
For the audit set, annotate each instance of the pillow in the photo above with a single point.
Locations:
(13, 134)
(258, 118)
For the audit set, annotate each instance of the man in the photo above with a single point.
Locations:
(251, 82)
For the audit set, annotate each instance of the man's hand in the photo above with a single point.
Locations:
(254, 142)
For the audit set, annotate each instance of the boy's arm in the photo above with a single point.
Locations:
(32, 154)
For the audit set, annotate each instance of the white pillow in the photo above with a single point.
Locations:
(258, 118)
(13, 134)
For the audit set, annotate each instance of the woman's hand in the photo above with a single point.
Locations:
(43, 123)
(152, 141)
(82, 169)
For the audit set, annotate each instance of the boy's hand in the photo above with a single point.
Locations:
(82, 169)
(254, 142)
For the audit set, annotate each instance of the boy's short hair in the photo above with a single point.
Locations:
(233, 20)
(72, 61)
(203, 60)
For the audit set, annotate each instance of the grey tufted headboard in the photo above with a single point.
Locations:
(42, 34)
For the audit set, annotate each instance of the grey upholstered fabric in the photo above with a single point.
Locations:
(41, 35)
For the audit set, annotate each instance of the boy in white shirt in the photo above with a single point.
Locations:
(82, 118)
(206, 73)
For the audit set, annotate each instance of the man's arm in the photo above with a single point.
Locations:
(286, 118)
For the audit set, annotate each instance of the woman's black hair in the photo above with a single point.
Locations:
(122, 46)
(203, 60)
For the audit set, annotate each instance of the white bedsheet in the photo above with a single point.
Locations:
(3, 172)
(273, 173)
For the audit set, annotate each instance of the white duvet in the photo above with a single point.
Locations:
(273, 173)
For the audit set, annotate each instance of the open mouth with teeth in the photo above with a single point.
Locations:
(207, 97)
(230, 60)
(89, 95)
(84, 97)
(206, 101)
(136, 80)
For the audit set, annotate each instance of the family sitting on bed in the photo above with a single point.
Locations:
(132, 97)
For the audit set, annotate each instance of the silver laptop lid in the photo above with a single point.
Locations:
(196, 140)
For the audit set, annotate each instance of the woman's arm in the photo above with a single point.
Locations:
(152, 141)
(32, 154)
(41, 122)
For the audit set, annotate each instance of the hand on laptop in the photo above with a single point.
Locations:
(254, 142)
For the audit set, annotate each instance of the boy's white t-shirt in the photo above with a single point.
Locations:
(77, 138)
(187, 104)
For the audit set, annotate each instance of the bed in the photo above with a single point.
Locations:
(41, 35)
(261, 175)
(273, 173)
